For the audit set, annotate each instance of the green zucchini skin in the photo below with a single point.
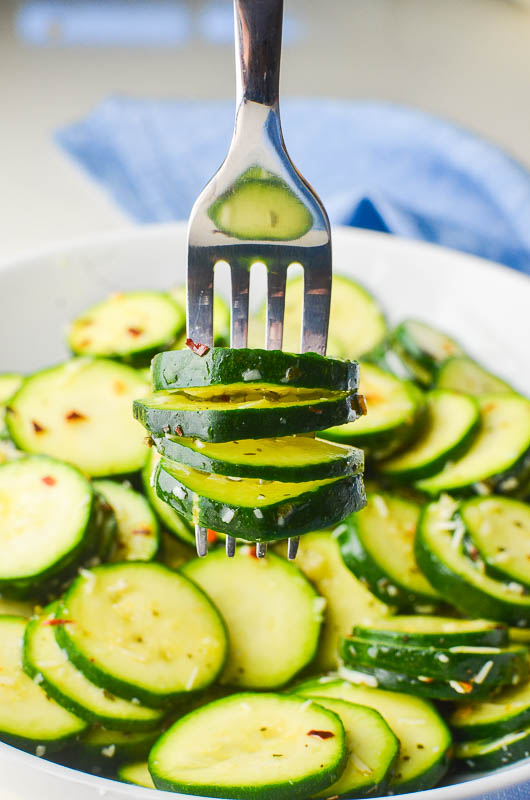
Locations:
(458, 580)
(405, 630)
(422, 358)
(397, 585)
(391, 680)
(118, 681)
(10, 382)
(504, 713)
(507, 664)
(137, 531)
(238, 422)
(173, 522)
(325, 506)
(488, 754)
(348, 460)
(106, 748)
(318, 779)
(78, 702)
(404, 468)
(181, 369)
(425, 747)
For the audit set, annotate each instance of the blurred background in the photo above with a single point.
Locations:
(466, 60)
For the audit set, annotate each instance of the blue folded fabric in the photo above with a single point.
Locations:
(375, 165)
(518, 793)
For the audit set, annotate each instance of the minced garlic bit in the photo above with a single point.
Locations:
(40, 750)
(258, 513)
(179, 492)
(109, 751)
(251, 375)
(483, 673)
(228, 515)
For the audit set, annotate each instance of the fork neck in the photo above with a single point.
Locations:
(258, 51)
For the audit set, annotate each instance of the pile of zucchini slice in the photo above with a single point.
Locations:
(123, 654)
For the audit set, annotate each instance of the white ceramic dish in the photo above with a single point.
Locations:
(483, 305)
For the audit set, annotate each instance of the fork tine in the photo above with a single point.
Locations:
(239, 322)
(292, 547)
(201, 541)
(261, 549)
(317, 297)
(276, 279)
(230, 545)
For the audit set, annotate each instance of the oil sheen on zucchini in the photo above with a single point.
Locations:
(451, 425)
(396, 412)
(440, 554)
(391, 572)
(424, 737)
(257, 510)
(121, 630)
(283, 458)
(80, 412)
(252, 595)
(28, 718)
(251, 745)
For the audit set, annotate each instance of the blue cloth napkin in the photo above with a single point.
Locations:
(375, 165)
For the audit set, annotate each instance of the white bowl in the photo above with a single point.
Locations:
(483, 305)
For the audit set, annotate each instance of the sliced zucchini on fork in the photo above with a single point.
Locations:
(452, 422)
(283, 458)
(395, 415)
(251, 745)
(254, 509)
(377, 545)
(173, 522)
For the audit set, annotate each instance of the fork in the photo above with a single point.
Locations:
(258, 143)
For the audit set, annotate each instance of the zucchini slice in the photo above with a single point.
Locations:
(137, 534)
(486, 754)
(252, 596)
(48, 521)
(462, 374)
(104, 748)
(251, 745)
(498, 458)
(487, 666)
(440, 554)
(452, 422)
(48, 665)
(257, 510)
(285, 458)
(16, 608)
(504, 713)
(173, 552)
(250, 415)
(420, 686)
(392, 573)
(429, 631)
(372, 746)
(500, 530)
(80, 412)
(356, 324)
(395, 415)
(422, 348)
(131, 326)
(425, 740)
(136, 773)
(28, 718)
(122, 631)
(173, 522)
(348, 601)
(238, 370)
(9, 384)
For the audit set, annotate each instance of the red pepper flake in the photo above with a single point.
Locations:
(197, 348)
(57, 621)
(119, 387)
(315, 410)
(75, 416)
(361, 405)
(38, 428)
(321, 734)
(145, 531)
(135, 331)
(49, 480)
(252, 552)
(179, 431)
(212, 536)
(467, 687)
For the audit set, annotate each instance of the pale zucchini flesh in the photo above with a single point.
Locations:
(269, 608)
(136, 773)
(28, 718)
(137, 534)
(251, 746)
(435, 631)
(80, 412)
(424, 737)
(462, 374)
(48, 665)
(142, 630)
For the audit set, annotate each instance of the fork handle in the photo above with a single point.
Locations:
(258, 50)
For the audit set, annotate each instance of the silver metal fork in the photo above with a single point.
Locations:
(258, 143)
